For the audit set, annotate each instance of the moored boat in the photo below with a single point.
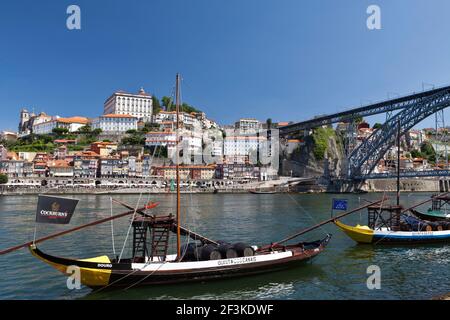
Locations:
(439, 210)
(366, 235)
(262, 192)
(102, 271)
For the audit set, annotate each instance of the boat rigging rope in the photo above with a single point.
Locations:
(112, 229)
(146, 277)
(129, 228)
(307, 213)
(34, 236)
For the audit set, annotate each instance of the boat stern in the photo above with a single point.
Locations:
(94, 272)
(360, 234)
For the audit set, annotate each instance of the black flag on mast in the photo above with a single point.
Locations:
(55, 210)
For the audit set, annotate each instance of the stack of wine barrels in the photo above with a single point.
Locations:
(243, 249)
(210, 252)
(225, 250)
(191, 251)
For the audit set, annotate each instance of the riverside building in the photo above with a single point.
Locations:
(115, 123)
(139, 105)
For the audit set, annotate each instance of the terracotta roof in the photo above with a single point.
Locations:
(64, 141)
(58, 164)
(81, 120)
(103, 143)
(12, 155)
(87, 154)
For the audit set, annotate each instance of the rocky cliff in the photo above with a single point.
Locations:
(321, 155)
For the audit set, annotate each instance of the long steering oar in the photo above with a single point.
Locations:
(319, 225)
(58, 234)
(425, 201)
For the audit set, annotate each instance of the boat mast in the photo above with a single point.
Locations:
(398, 163)
(177, 97)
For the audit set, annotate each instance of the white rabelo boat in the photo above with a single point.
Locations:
(150, 263)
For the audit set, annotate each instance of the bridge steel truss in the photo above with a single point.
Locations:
(366, 156)
(408, 174)
(369, 110)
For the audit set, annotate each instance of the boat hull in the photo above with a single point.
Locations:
(365, 235)
(431, 217)
(101, 272)
(262, 192)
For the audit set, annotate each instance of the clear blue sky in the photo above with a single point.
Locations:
(288, 60)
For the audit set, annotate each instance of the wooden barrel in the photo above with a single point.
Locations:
(445, 225)
(210, 252)
(191, 251)
(227, 251)
(436, 226)
(243, 249)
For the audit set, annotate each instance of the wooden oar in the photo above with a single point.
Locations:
(184, 231)
(319, 225)
(58, 234)
(423, 202)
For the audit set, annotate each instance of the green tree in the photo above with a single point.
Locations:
(427, 148)
(3, 179)
(358, 119)
(87, 129)
(156, 105)
(97, 132)
(321, 136)
(416, 154)
(167, 103)
(377, 125)
(60, 131)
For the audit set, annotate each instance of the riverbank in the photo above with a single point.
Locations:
(390, 185)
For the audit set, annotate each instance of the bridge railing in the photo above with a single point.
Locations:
(406, 174)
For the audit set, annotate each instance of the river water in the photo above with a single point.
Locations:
(419, 272)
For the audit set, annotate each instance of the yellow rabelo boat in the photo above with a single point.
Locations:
(387, 225)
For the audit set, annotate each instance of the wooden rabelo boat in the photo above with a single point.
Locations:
(391, 224)
(164, 269)
(198, 259)
(439, 210)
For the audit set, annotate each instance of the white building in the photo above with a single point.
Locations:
(189, 140)
(72, 124)
(3, 153)
(187, 120)
(247, 125)
(238, 149)
(139, 105)
(115, 123)
(161, 139)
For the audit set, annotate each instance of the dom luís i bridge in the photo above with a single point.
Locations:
(402, 113)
